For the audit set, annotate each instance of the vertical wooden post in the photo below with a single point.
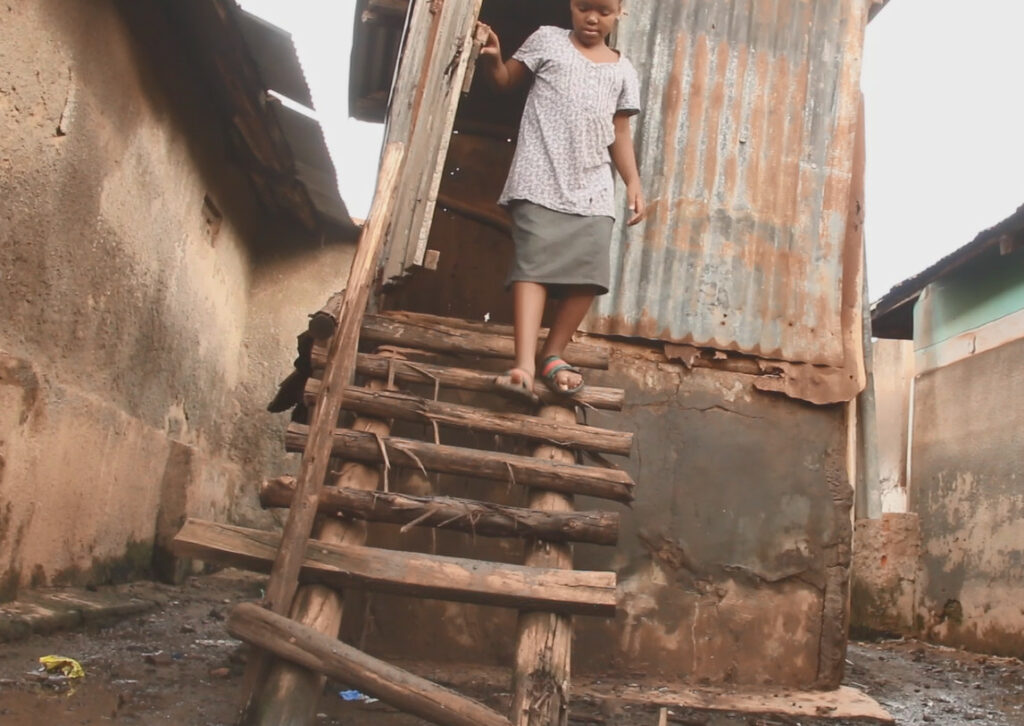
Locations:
(290, 694)
(341, 362)
(540, 695)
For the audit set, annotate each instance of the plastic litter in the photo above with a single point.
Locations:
(68, 667)
(356, 696)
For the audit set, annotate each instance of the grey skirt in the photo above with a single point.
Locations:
(557, 249)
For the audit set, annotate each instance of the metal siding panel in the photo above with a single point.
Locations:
(745, 146)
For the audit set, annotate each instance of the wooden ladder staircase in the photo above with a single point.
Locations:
(406, 362)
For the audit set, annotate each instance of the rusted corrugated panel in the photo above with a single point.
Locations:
(745, 145)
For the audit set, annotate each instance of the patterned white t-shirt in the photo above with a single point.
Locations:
(562, 160)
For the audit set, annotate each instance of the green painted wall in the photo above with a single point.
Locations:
(985, 289)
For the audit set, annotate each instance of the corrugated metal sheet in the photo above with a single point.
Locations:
(274, 52)
(746, 146)
(313, 165)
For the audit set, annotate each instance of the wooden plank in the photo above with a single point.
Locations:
(540, 682)
(408, 573)
(406, 407)
(465, 379)
(446, 335)
(427, 93)
(283, 580)
(461, 515)
(613, 484)
(290, 693)
(394, 686)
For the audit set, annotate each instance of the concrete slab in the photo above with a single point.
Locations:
(623, 698)
(49, 610)
(843, 704)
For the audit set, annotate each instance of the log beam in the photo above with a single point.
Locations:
(465, 379)
(406, 407)
(568, 478)
(540, 683)
(309, 649)
(444, 335)
(461, 515)
(290, 693)
(283, 581)
(324, 321)
(408, 573)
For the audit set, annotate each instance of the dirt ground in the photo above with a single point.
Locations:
(177, 665)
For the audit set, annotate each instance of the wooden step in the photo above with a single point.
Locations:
(398, 688)
(613, 484)
(382, 367)
(407, 407)
(410, 331)
(407, 573)
(453, 335)
(452, 513)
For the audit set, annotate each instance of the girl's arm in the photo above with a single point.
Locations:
(507, 75)
(624, 158)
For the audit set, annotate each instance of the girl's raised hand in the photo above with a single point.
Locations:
(492, 46)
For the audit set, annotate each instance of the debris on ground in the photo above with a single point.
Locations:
(176, 664)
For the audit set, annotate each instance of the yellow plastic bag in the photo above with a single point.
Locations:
(67, 666)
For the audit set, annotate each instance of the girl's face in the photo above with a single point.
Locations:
(594, 20)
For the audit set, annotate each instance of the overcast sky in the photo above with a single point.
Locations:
(945, 115)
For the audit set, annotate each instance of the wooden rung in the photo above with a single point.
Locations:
(439, 337)
(306, 647)
(613, 484)
(406, 407)
(467, 336)
(460, 515)
(381, 367)
(407, 573)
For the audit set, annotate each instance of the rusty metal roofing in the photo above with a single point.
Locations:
(745, 144)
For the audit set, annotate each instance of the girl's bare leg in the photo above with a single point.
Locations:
(528, 300)
(571, 311)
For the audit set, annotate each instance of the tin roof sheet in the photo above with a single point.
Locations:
(746, 146)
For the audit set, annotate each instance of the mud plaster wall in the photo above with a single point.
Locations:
(132, 377)
(883, 581)
(732, 562)
(967, 488)
(893, 372)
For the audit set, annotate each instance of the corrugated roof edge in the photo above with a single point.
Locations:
(875, 8)
(228, 63)
(892, 314)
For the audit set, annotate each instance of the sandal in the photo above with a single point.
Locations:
(521, 389)
(550, 367)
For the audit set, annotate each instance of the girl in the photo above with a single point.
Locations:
(560, 189)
